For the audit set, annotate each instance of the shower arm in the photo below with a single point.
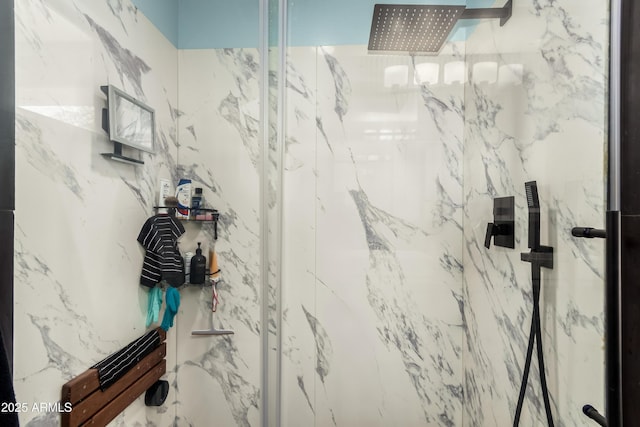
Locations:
(504, 13)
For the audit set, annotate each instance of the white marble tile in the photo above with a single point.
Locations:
(377, 282)
(220, 151)
(300, 367)
(77, 297)
(393, 310)
(547, 124)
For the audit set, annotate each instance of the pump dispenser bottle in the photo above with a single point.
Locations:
(198, 267)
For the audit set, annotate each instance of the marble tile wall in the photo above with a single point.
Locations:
(536, 110)
(382, 213)
(372, 273)
(332, 199)
(77, 261)
(220, 150)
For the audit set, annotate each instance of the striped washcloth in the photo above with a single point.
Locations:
(113, 367)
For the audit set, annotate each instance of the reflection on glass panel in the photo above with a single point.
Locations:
(485, 72)
(510, 74)
(427, 73)
(455, 72)
(134, 124)
(396, 75)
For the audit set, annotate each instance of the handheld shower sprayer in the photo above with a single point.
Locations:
(539, 256)
(533, 203)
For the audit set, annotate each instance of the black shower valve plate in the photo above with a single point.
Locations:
(503, 218)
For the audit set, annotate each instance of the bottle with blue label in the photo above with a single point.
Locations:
(183, 194)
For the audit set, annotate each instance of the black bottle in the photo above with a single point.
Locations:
(198, 267)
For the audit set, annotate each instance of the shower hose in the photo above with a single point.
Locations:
(535, 334)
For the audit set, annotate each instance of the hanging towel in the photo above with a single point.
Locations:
(7, 418)
(113, 367)
(162, 260)
(155, 302)
(172, 303)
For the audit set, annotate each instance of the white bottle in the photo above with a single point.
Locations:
(187, 265)
(183, 193)
(163, 193)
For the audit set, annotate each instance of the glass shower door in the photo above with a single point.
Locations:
(392, 309)
(372, 238)
(536, 110)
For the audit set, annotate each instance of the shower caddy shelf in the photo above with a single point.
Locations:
(206, 211)
(214, 213)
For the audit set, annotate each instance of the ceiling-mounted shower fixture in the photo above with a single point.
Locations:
(422, 29)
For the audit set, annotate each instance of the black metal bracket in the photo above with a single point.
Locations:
(504, 13)
(117, 155)
(215, 216)
(542, 256)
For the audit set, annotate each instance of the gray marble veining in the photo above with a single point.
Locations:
(44, 158)
(342, 86)
(130, 66)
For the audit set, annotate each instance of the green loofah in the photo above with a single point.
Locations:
(173, 302)
(155, 302)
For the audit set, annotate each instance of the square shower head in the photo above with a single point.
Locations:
(414, 29)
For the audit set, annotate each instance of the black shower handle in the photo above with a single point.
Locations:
(495, 230)
(588, 232)
(492, 230)
(502, 226)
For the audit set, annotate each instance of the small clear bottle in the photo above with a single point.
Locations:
(196, 203)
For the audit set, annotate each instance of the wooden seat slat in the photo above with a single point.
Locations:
(92, 406)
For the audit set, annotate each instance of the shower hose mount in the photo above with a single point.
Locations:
(539, 256)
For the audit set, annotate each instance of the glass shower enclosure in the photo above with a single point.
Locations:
(355, 189)
(389, 309)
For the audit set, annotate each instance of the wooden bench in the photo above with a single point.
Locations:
(91, 406)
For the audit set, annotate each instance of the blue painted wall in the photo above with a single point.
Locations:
(218, 23)
(163, 14)
(206, 24)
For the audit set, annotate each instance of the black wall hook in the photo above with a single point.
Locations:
(588, 232)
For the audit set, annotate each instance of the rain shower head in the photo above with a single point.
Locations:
(421, 29)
